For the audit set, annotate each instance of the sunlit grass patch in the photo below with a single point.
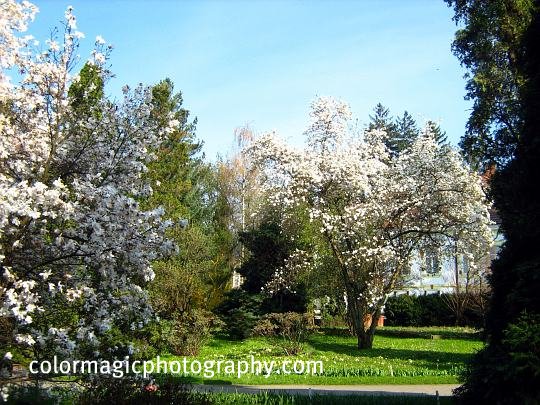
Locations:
(392, 360)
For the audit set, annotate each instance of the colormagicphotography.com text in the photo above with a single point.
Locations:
(185, 366)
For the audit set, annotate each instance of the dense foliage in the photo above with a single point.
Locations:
(292, 329)
(191, 282)
(76, 247)
(118, 239)
(266, 249)
(499, 45)
(427, 310)
(96, 196)
(490, 45)
(402, 131)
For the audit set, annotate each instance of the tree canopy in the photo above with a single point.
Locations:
(373, 209)
(499, 45)
(490, 46)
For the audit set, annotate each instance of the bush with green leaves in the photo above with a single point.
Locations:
(182, 335)
(514, 365)
(190, 332)
(239, 312)
(425, 310)
(167, 390)
(402, 310)
(523, 337)
(24, 394)
(292, 328)
(434, 311)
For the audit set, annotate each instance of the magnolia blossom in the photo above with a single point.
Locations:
(75, 247)
(372, 210)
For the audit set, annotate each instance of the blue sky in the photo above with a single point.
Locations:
(262, 62)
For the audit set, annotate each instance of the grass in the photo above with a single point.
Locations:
(34, 396)
(393, 360)
(399, 356)
(272, 399)
(445, 332)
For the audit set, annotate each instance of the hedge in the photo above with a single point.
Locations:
(425, 310)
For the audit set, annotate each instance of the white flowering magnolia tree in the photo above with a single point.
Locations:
(373, 212)
(75, 249)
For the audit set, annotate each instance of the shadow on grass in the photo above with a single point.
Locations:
(414, 332)
(420, 333)
(390, 353)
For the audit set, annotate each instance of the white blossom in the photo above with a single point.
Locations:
(372, 211)
(71, 229)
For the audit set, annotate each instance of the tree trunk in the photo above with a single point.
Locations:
(364, 324)
(365, 339)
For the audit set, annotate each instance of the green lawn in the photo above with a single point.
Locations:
(393, 360)
(271, 399)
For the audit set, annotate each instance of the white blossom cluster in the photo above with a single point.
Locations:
(374, 211)
(284, 277)
(73, 240)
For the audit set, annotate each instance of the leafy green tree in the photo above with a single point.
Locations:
(185, 186)
(499, 45)
(490, 46)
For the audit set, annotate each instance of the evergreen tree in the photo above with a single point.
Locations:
(86, 93)
(489, 44)
(499, 44)
(269, 247)
(437, 132)
(406, 131)
(185, 186)
(401, 131)
(382, 120)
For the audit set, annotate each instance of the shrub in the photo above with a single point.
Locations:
(402, 310)
(184, 335)
(293, 328)
(133, 391)
(155, 335)
(286, 301)
(190, 332)
(426, 310)
(144, 350)
(334, 312)
(507, 372)
(24, 394)
(239, 312)
(434, 311)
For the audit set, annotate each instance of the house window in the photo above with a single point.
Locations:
(432, 262)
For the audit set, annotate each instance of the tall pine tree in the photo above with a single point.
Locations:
(382, 120)
(401, 131)
(436, 131)
(407, 132)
